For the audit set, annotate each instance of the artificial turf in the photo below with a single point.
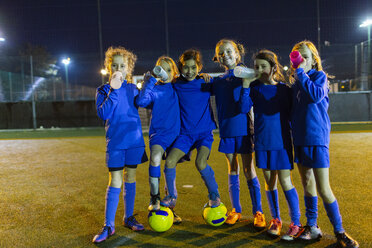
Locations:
(53, 192)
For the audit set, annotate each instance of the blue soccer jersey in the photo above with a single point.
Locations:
(272, 107)
(122, 122)
(165, 116)
(310, 121)
(195, 107)
(232, 122)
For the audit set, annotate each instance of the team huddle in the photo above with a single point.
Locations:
(288, 116)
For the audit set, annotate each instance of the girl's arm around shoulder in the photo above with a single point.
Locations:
(207, 86)
(106, 100)
(146, 96)
(316, 88)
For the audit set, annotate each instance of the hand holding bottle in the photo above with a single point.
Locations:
(159, 72)
(116, 80)
(296, 59)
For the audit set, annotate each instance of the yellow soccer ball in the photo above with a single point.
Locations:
(161, 220)
(215, 216)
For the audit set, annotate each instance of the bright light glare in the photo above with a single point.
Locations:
(66, 61)
(285, 68)
(103, 72)
(366, 23)
(2, 39)
(139, 85)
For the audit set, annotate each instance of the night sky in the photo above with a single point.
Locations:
(70, 27)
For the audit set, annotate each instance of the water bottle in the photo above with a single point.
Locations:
(244, 72)
(296, 59)
(116, 80)
(160, 73)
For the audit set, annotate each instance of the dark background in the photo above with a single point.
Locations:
(70, 28)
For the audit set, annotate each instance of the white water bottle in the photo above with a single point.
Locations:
(160, 73)
(116, 80)
(244, 72)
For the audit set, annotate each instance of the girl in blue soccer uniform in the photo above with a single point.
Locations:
(162, 99)
(236, 132)
(311, 133)
(271, 101)
(197, 124)
(125, 145)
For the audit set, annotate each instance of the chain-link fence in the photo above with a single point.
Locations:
(34, 93)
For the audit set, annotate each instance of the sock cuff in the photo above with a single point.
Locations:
(114, 190)
(253, 182)
(170, 171)
(330, 205)
(234, 176)
(291, 191)
(206, 171)
(130, 186)
(154, 171)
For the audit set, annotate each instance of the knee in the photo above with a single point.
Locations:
(286, 184)
(130, 175)
(171, 162)
(309, 182)
(116, 181)
(155, 159)
(234, 168)
(326, 193)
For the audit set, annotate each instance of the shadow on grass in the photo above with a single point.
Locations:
(116, 241)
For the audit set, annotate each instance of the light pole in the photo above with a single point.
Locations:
(368, 23)
(66, 62)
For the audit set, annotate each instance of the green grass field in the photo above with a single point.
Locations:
(53, 185)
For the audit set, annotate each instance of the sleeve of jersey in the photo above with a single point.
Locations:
(146, 96)
(316, 90)
(106, 102)
(245, 100)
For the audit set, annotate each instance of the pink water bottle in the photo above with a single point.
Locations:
(296, 59)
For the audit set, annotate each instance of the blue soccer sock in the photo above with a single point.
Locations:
(255, 193)
(334, 216)
(154, 178)
(273, 199)
(208, 177)
(293, 205)
(170, 179)
(129, 197)
(311, 210)
(234, 191)
(112, 201)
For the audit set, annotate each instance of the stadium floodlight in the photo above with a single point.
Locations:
(104, 72)
(366, 23)
(66, 62)
(2, 39)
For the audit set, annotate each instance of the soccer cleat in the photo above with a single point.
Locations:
(133, 224)
(310, 233)
(344, 240)
(214, 200)
(293, 232)
(259, 221)
(169, 201)
(106, 232)
(233, 217)
(176, 218)
(154, 203)
(275, 227)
